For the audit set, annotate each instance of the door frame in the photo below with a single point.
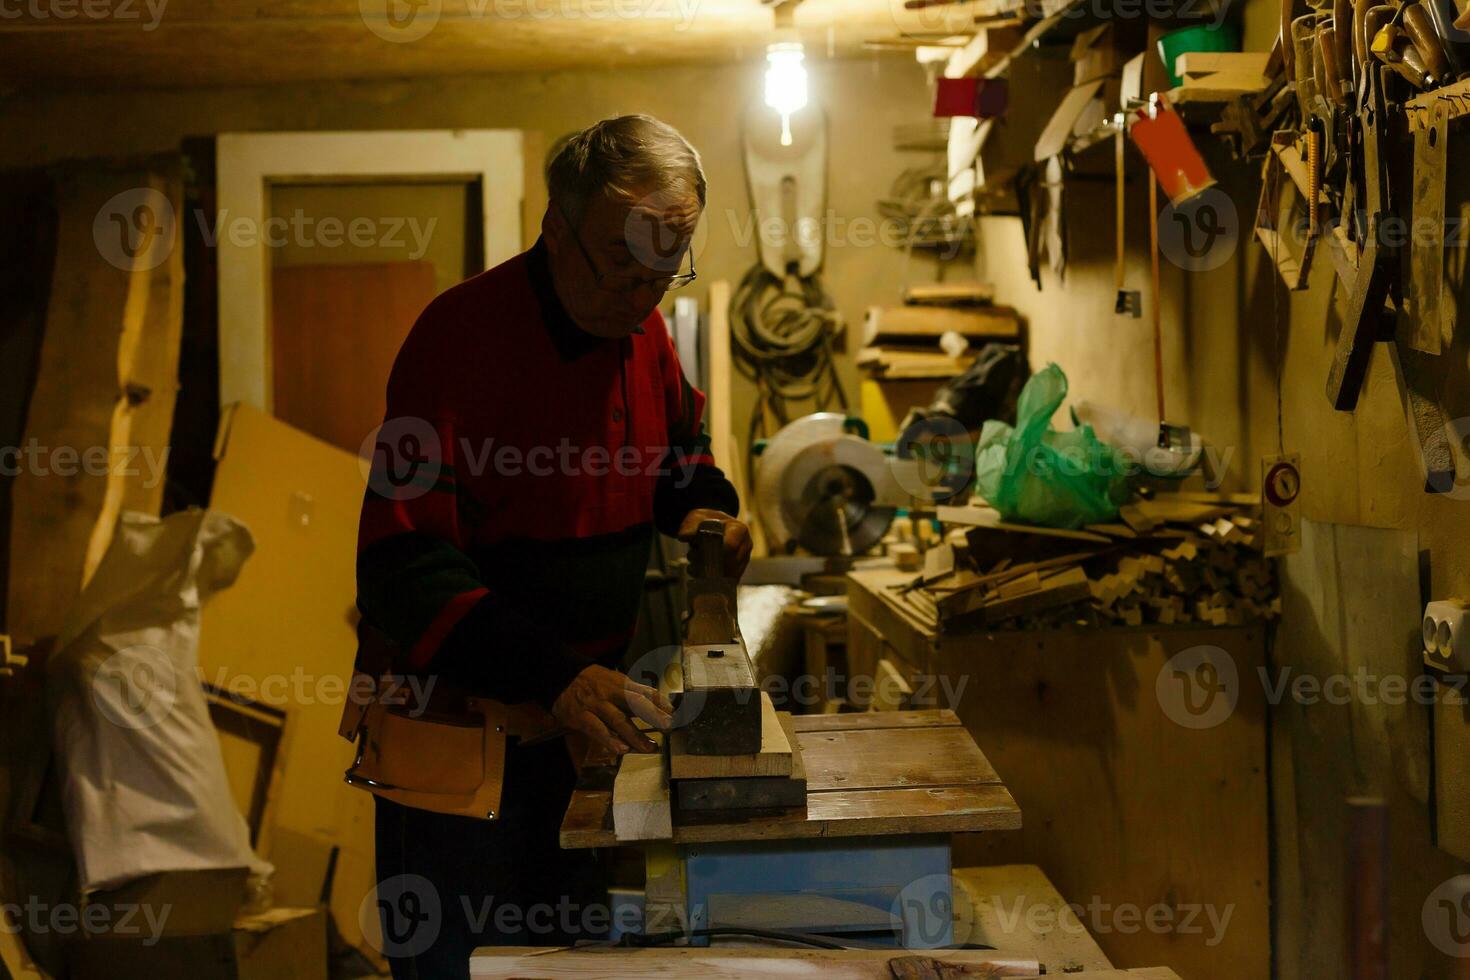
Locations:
(247, 164)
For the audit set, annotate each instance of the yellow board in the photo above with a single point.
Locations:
(285, 635)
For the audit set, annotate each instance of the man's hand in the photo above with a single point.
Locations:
(737, 537)
(601, 704)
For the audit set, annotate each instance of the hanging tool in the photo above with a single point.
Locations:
(1174, 438)
(1367, 321)
(1342, 45)
(1429, 319)
(1421, 30)
(1392, 44)
(1128, 301)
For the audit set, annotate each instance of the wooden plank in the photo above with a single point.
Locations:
(876, 785)
(719, 407)
(949, 293)
(102, 406)
(977, 516)
(999, 322)
(860, 721)
(987, 900)
(1058, 589)
(773, 759)
(875, 758)
(1102, 813)
(720, 963)
(641, 808)
(920, 810)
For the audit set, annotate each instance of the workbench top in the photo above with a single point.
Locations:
(869, 774)
(724, 963)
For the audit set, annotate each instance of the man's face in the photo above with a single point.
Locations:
(629, 245)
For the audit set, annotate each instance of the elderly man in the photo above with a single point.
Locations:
(558, 433)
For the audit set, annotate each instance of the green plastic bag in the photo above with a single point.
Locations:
(1036, 475)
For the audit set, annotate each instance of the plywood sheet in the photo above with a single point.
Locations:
(1351, 609)
(1123, 805)
(285, 635)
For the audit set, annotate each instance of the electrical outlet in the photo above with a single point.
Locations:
(1447, 635)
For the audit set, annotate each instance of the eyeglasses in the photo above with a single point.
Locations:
(624, 283)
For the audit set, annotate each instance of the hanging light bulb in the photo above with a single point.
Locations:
(785, 82)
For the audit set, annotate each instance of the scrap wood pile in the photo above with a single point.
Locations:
(904, 341)
(1180, 559)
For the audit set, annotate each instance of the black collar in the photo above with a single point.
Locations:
(570, 340)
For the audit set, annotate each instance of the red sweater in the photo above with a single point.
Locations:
(519, 476)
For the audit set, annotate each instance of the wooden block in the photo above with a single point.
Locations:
(641, 809)
(892, 689)
(1066, 586)
(938, 562)
(728, 719)
(750, 792)
(773, 758)
(905, 556)
(1205, 62)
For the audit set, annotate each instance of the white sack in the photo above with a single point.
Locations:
(143, 778)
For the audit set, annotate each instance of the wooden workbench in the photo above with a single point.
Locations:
(875, 774)
(549, 963)
(1123, 805)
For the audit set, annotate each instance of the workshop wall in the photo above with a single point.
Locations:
(866, 98)
(1222, 331)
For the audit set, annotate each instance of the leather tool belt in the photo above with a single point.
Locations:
(445, 753)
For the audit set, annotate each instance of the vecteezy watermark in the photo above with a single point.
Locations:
(136, 687)
(923, 916)
(137, 230)
(834, 231)
(935, 459)
(38, 918)
(1198, 687)
(1018, 916)
(404, 21)
(35, 459)
(1104, 459)
(1446, 917)
(301, 687)
(147, 13)
(405, 458)
(914, 690)
(1201, 233)
(405, 914)
(1201, 687)
(939, 18)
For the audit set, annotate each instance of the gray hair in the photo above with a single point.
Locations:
(623, 157)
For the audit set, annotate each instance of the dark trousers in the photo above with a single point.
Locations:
(448, 884)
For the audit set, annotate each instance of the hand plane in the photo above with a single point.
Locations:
(719, 709)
